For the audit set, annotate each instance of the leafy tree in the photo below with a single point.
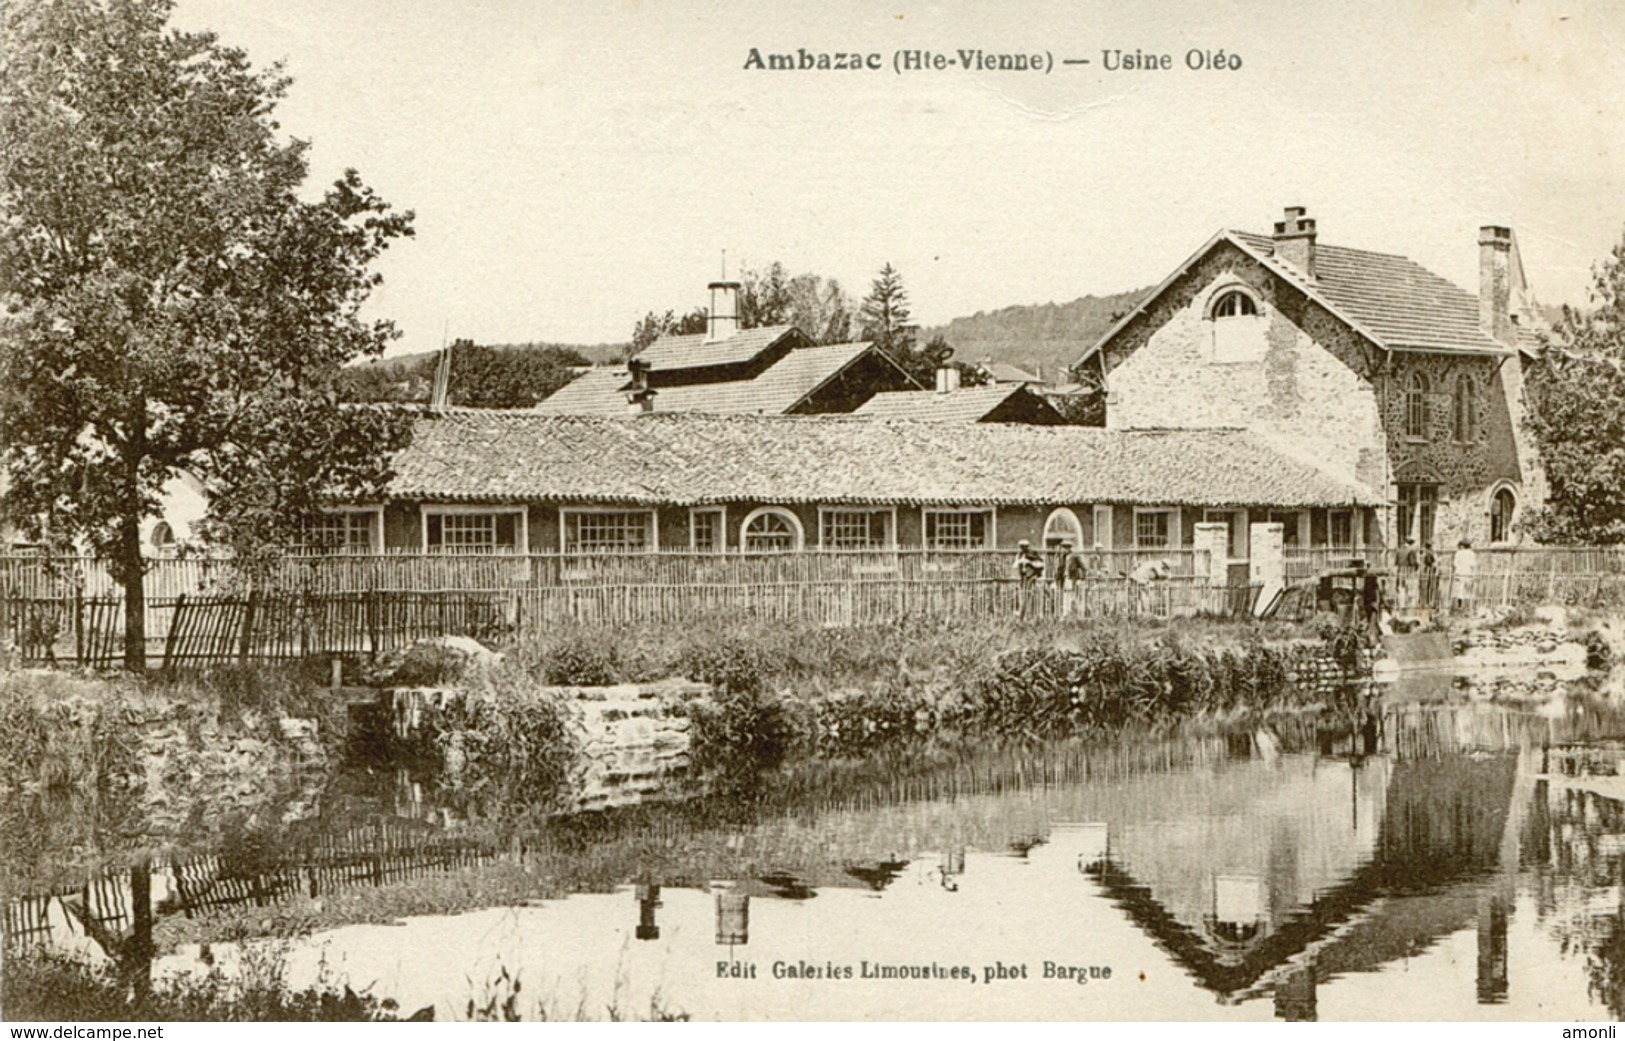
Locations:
(170, 300)
(819, 308)
(514, 377)
(764, 297)
(652, 327)
(1575, 390)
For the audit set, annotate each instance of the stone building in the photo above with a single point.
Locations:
(1364, 363)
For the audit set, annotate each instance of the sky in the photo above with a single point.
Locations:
(574, 166)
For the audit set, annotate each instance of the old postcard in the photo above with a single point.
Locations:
(831, 511)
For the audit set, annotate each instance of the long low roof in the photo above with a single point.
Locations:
(468, 455)
(601, 392)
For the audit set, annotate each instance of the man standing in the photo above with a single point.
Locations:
(1430, 577)
(1410, 563)
(1463, 567)
(1029, 568)
(1069, 578)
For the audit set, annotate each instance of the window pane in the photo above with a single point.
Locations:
(770, 533)
(1340, 531)
(707, 530)
(608, 532)
(473, 532)
(1151, 530)
(855, 529)
(956, 530)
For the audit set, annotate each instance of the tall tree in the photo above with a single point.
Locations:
(170, 299)
(884, 315)
(1575, 390)
(885, 321)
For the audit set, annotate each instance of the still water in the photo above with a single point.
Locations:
(1411, 860)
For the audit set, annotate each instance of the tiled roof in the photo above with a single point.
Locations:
(772, 392)
(1004, 372)
(511, 456)
(687, 352)
(1393, 299)
(966, 405)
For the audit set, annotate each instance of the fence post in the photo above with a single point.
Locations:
(247, 636)
(174, 631)
(79, 627)
(371, 611)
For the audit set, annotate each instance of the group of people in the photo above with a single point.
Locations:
(1072, 571)
(1419, 575)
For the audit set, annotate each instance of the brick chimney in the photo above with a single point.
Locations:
(1295, 241)
(947, 379)
(1497, 254)
(724, 318)
(639, 398)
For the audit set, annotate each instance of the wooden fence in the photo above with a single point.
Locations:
(213, 610)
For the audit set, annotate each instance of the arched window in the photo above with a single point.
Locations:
(1234, 304)
(1416, 406)
(1465, 420)
(770, 530)
(163, 536)
(1061, 525)
(1502, 506)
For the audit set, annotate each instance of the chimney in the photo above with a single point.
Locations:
(1497, 253)
(947, 379)
(1295, 240)
(639, 398)
(724, 318)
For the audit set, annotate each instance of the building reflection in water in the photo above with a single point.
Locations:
(733, 915)
(648, 900)
(1295, 996)
(1492, 948)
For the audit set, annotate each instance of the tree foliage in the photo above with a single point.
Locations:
(818, 307)
(1575, 390)
(884, 318)
(481, 376)
(170, 299)
(652, 327)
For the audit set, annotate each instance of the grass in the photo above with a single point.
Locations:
(43, 987)
(782, 691)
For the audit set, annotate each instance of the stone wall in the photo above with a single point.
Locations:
(631, 740)
(1467, 472)
(1293, 369)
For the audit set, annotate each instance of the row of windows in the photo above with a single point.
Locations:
(1463, 408)
(768, 529)
(774, 529)
(1418, 507)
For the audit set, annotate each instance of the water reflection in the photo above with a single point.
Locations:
(1449, 855)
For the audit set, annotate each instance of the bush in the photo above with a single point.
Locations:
(509, 742)
(1599, 655)
(743, 730)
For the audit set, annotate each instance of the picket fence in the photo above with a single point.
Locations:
(200, 611)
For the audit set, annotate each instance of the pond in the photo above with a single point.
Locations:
(1420, 857)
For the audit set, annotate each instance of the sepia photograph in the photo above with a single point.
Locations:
(702, 511)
